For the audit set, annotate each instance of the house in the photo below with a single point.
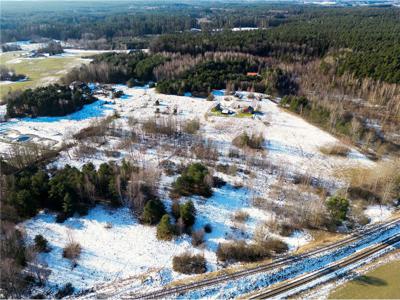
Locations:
(252, 74)
(77, 85)
(248, 110)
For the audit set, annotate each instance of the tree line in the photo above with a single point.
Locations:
(370, 33)
(52, 100)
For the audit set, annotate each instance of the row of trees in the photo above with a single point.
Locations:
(178, 74)
(344, 123)
(69, 190)
(135, 67)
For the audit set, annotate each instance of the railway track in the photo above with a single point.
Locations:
(293, 284)
(170, 291)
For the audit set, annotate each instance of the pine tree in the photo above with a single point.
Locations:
(188, 213)
(153, 211)
(67, 205)
(165, 230)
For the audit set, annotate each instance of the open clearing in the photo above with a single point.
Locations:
(115, 245)
(381, 283)
(41, 70)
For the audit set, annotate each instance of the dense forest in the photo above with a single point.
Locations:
(365, 41)
(53, 100)
(122, 19)
(135, 67)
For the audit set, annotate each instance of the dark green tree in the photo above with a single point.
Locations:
(165, 230)
(338, 207)
(188, 213)
(153, 211)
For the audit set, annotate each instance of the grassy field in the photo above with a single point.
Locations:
(381, 283)
(41, 71)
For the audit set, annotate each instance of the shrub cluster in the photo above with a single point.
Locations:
(191, 126)
(72, 250)
(163, 126)
(7, 74)
(335, 149)
(338, 207)
(51, 48)
(189, 264)
(193, 181)
(41, 244)
(241, 251)
(254, 141)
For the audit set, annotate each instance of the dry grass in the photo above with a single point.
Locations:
(253, 141)
(240, 216)
(380, 183)
(320, 238)
(72, 250)
(191, 126)
(189, 264)
(335, 149)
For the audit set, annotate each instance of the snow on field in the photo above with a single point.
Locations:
(378, 213)
(242, 286)
(127, 248)
(289, 139)
(131, 249)
(53, 129)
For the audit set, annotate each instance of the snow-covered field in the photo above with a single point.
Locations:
(131, 250)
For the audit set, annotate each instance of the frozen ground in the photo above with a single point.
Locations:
(378, 213)
(241, 287)
(131, 250)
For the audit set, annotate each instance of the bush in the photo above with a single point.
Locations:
(210, 97)
(165, 230)
(191, 126)
(275, 246)
(207, 228)
(72, 250)
(162, 126)
(197, 237)
(192, 182)
(189, 264)
(335, 149)
(188, 213)
(240, 216)
(337, 207)
(176, 209)
(153, 211)
(65, 291)
(254, 141)
(41, 244)
(241, 251)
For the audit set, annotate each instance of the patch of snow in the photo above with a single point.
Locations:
(378, 213)
(127, 248)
